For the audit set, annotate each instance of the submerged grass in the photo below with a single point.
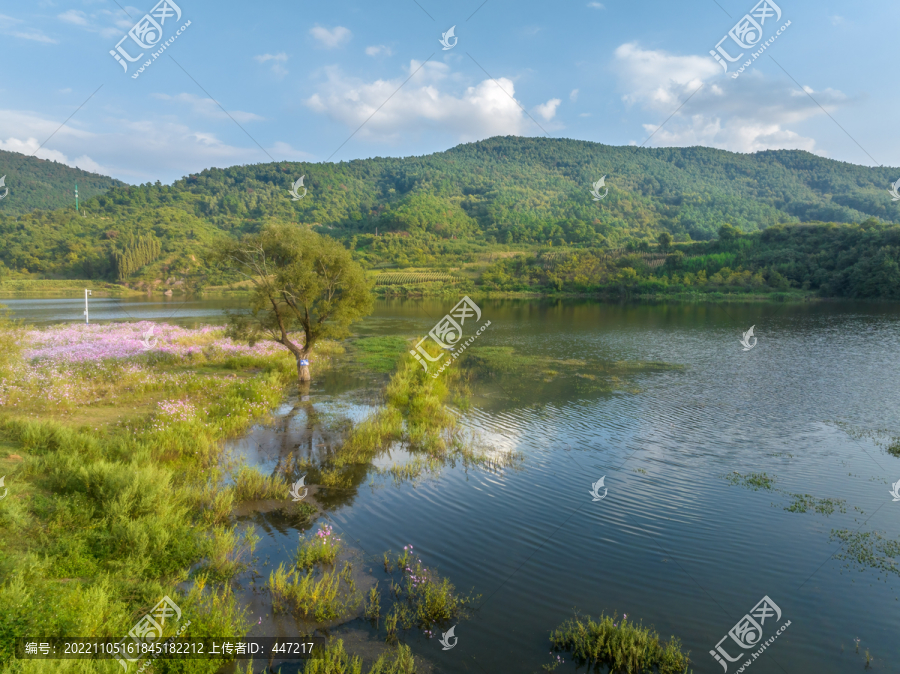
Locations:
(622, 646)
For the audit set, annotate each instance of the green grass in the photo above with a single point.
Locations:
(335, 660)
(622, 646)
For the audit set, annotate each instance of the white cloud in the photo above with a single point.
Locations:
(548, 110)
(207, 107)
(165, 150)
(754, 114)
(75, 16)
(330, 38)
(277, 60)
(837, 20)
(377, 50)
(596, 5)
(574, 95)
(477, 112)
(65, 91)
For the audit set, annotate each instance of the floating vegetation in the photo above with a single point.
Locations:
(621, 646)
(300, 512)
(867, 549)
(754, 481)
(885, 438)
(824, 506)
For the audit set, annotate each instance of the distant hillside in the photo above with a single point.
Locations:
(39, 183)
(439, 209)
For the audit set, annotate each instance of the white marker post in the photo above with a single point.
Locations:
(86, 293)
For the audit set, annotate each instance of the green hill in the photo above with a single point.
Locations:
(40, 183)
(443, 209)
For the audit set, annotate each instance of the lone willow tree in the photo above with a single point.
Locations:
(302, 282)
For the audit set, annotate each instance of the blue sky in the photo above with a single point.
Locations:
(298, 78)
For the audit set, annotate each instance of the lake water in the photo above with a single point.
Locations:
(673, 544)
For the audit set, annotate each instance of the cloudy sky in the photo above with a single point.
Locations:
(255, 82)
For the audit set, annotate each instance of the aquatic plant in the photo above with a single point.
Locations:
(335, 660)
(623, 646)
(322, 547)
(323, 598)
(824, 506)
(372, 609)
(868, 549)
(251, 485)
(754, 481)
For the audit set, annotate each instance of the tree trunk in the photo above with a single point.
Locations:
(303, 368)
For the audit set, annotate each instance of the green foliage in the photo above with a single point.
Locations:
(43, 183)
(445, 209)
(136, 253)
(624, 646)
(301, 281)
(386, 279)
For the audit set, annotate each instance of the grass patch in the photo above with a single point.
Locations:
(623, 646)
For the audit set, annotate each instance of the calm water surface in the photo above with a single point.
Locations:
(673, 544)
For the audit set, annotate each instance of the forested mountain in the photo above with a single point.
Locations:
(40, 183)
(430, 210)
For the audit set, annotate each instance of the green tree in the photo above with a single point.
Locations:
(665, 240)
(301, 281)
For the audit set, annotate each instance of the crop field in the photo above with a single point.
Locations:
(401, 278)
